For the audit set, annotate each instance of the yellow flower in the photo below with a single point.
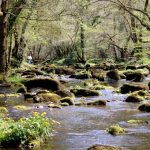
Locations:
(43, 114)
(35, 114)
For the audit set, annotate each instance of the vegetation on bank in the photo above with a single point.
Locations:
(22, 132)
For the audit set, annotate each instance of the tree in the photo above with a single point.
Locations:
(3, 39)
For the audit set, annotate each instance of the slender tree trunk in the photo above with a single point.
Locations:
(82, 44)
(3, 40)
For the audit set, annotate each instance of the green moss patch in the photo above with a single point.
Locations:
(115, 130)
(137, 121)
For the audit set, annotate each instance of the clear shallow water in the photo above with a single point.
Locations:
(82, 126)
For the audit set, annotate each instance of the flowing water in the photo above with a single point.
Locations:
(82, 126)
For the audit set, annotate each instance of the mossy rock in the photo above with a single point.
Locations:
(65, 104)
(21, 107)
(2, 96)
(145, 107)
(131, 87)
(51, 105)
(141, 93)
(79, 66)
(65, 93)
(143, 67)
(122, 76)
(3, 110)
(48, 97)
(135, 77)
(28, 73)
(29, 95)
(85, 92)
(64, 71)
(113, 74)
(134, 98)
(98, 74)
(103, 147)
(97, 103)
(132, 67)
(42, 92)
(46, 83)
(82, 75)
(137, 121)
(115, 130)
(68, 100)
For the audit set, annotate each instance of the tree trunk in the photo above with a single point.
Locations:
(3, 40)
(82, 43)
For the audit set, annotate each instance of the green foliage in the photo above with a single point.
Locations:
(20, 133)
(15, 79)
(143, 56)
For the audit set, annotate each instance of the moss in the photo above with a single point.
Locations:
(13, 95)
(137, 122)
(3, 110)
(131, 87)
(134, 98)
(141, 93)
(115, 130)
(97, 103)
(21, 107)
(103, 147)
(145, 107)
(49, 97)
(85, 92)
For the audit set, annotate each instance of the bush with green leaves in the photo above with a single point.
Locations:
(22, 132)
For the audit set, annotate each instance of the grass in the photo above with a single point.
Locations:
(15, 79)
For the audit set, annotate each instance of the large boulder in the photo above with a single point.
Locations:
(67, 100)
(84, 92)
(98, 74)
(113, 74)
(46, 83)
(47, 97)
(131, 87)
(134, 98)
(145, 107)
(65, 93)
(135, 76)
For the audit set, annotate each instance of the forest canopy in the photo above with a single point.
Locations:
(74, 30)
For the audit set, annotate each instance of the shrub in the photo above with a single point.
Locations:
(22, 132)
(15, 79)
